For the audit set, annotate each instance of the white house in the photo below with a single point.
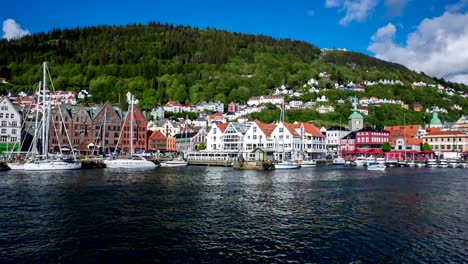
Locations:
(214, 137)
(264, 99)
(258, 135)
(10, 129)
(333, 136)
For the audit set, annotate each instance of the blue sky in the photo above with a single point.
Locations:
(396, 30)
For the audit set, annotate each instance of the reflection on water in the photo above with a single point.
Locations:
(217, 214)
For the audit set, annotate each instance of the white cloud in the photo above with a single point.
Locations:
(332, 3)
(395, 7)
(457, 6)
(437, 46)
(310, 12)
(384, 33)
(355, 10)
(13, 30)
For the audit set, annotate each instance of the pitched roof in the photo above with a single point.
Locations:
(438, 132)
(222, 126)
(403, 131)
(311, 129)
(266, 128)
(292, 129)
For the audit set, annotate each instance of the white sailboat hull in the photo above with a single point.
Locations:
(129, 164)
(15, 166)
(51, 166)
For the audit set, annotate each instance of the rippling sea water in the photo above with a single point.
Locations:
(220, 215)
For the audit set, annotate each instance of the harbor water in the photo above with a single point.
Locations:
(199, 214)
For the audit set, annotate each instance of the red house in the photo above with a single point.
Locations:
(157, 141)
(368, 140)
(139, 132)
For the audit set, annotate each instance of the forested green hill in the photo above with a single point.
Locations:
(160, 62)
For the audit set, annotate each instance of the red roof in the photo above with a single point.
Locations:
(266, 128)
(222, 126)
(403, 131)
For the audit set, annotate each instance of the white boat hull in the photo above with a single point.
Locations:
(287, 166)
(174, 163)
(129, 164)
(15, 166)
(51, 166)
(376, 167)
(308, 163)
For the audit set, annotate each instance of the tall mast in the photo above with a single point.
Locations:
(131, 125)
(103, 136)
(44, 105)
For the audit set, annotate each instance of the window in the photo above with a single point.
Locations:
(1, 115)
(3, 131)
(7, 115)
(4, 107)
(13, 131)
(255, 129)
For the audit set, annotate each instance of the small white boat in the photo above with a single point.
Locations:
(360, 161)
(308, 163)
(442, 163)
(452, 164)
(380, 161)
(411, 163)
(135, 162)
(285, 165)
(420, 164)
(431, 163)
(339, 161)
(370, 161)
(178, 162)
(376, 167)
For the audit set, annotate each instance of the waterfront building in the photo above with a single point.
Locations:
(313, 142)
(106, 127)
(10, 130)
(157, 142)
(258, 135)
(333, 136)
(214, 137)
(451, 143)
(368, 140)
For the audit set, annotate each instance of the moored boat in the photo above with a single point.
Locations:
(376, 167)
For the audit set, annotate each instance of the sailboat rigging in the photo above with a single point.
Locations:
(285, 164)
(133, 161)
(41, 159)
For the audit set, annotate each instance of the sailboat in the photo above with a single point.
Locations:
(285, 164)
(133, 161)
(41, 159)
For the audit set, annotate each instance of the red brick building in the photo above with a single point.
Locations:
(139, 132)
